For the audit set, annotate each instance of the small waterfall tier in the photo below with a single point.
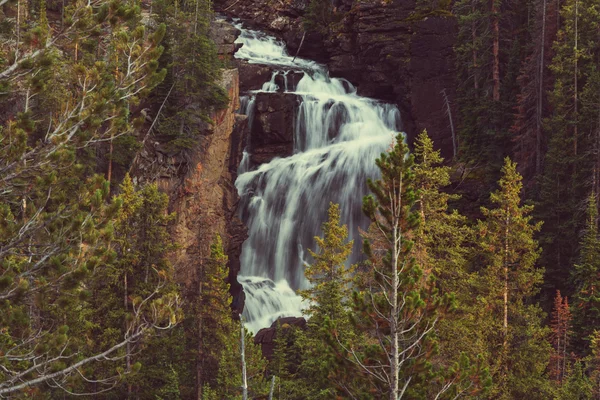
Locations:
(337, 137)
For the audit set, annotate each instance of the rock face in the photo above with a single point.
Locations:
(200, 183)
(272, 131)
(266, 336)
(377, 47)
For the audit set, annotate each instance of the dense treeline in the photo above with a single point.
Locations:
(88, 302)
(503, 304)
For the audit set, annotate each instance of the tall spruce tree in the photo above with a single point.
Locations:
(323, 368)
(586, 279)
(510, 323)
(397, 304)
(571, 164)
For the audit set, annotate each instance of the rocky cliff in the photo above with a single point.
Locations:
(380, 47)
(200, 182)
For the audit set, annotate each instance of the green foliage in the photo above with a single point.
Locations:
(194, 70)
(510, 325)
(319, 15)
(586, 279)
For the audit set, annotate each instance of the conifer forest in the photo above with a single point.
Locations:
(300, 199)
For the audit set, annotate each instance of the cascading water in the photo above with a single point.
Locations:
(338, 136)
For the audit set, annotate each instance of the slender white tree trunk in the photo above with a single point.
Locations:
(243, 354)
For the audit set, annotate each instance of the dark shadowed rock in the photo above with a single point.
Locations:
(266, 336)
(252, 76)
(272, 131)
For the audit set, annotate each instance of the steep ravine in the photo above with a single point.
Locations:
(200, 182)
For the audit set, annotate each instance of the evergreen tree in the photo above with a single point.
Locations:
(577, 385)
(561, 332)
(139, 272)
(215, 335)
(398, 305)
(586, 279)
(487, 69)
(571, 164)
(229, 378)
(535, 83)
(323, 368)
(510, 324)
(190, 89)
(442, 243)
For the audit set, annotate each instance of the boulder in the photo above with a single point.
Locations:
(252, 76)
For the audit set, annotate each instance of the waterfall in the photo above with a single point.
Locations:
(338, 136)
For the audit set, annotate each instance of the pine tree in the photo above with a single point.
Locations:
(441, 235)
(586, 278)
(487, 69)
(511, 325)
(535, 81)
(561, 332)
(572, 161)
(323, 367)
(190, 89)
(229, 379)
(397, 305)
(211, 323)
(139, 272)
(593, 361)
(577, 385)
(442, 243)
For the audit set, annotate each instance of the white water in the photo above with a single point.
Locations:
(338, 136)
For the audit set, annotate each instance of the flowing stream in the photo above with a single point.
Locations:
(337, 137)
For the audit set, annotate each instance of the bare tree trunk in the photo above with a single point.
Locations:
(394, 329)
(449, 112)
(18, 29)
(299, 47)
(110, 163)
(540, 97)
(496, 50)
(243, 354)
(474, 40)
(576, 78)
(272, 388)
(505, 298)
(196, 20)
(199, 361)
(128, 345)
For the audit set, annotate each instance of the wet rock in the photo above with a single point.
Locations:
(272, 131)
(266, 336)
(252, 76)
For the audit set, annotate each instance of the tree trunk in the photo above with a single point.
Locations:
(110, 163)
(128, 345)
(540, 99)
(200, 355)
(575, 78)
(474, 40)
(505, 298)
(272, 388)
(394, 330)
(496, 50)
(243, 354)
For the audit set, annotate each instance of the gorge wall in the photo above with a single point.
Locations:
(378, 47)
(200, 181)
